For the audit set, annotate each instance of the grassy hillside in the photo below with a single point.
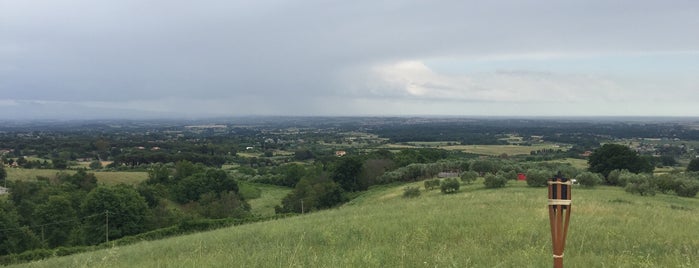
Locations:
(474, 228)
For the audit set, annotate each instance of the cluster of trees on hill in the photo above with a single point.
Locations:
(73, 210)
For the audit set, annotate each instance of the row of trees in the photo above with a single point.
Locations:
(73, 210)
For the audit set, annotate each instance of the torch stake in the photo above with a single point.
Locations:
(559, 216)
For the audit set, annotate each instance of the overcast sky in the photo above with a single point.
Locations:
(176, 58)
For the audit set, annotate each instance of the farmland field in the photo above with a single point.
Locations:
(105, 177)
(475, 227)
(494, 150)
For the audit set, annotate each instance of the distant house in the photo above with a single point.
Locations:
(586, 154)
(340, 153)
(156, 148)
(249, 148)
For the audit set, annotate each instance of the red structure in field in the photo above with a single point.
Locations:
(521, 177)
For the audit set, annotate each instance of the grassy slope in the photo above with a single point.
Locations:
(270, 196)
(473, 228)
(102, 176)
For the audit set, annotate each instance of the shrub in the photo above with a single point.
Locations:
(686, 187)
(469, 177)
(509, 175)
(494, 181)
(450, 186)
(538, 177)
(589, 179)
(411, 192)
(666, 183)
(431, 184)
(614, 177)
(640, 184)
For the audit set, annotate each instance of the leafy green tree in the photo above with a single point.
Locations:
(589, 179)
(59, 163)
(81, 179)
(3, 174)
(159, 173)
(185, 169)
(212, 180)
(126, 209)
(96, 164)
(483, 166)
(469, 177)
(15, 239)
(693, 165)
(450, 186)
(538, 177)
(615, 156)
(494, 181)
(312, 193)
(372, 169)
(58, 217)
(346, 173)
(224, 205)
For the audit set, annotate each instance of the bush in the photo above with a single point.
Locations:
(450, 186)
(431, 184)
(469, 177)
(589, 179)
(494, 181)
(411, 192)
(614, 177)
(686, 187)
(538, 177)
(640, 184)
(666, 183)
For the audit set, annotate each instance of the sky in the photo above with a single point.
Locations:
(91, 59)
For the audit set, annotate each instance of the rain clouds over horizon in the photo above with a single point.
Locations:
(145, 59)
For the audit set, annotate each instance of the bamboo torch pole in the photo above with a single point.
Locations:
(559, 215)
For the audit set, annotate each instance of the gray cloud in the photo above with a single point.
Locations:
(292, 57)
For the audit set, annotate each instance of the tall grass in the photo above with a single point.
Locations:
(476, 227)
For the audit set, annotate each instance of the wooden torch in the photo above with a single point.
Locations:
(559, 215)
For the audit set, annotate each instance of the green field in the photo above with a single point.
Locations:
(270, 196)
(490, 150)
(105, 177)
(494, 150)
(475, 227)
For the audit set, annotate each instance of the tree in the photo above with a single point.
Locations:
(469, 177)
(693, 165)
(3, 174)
(346, 173)
(588, 179)
(615, 156)
(96, 164)
(312, 193)
(494, 181)
(484, 166)
(59, 163)
(59, 218)
(126, 209)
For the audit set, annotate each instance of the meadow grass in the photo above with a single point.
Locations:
(475, 227)
(494, 150)
(575, 162)
(269, 197)
(106, 177)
